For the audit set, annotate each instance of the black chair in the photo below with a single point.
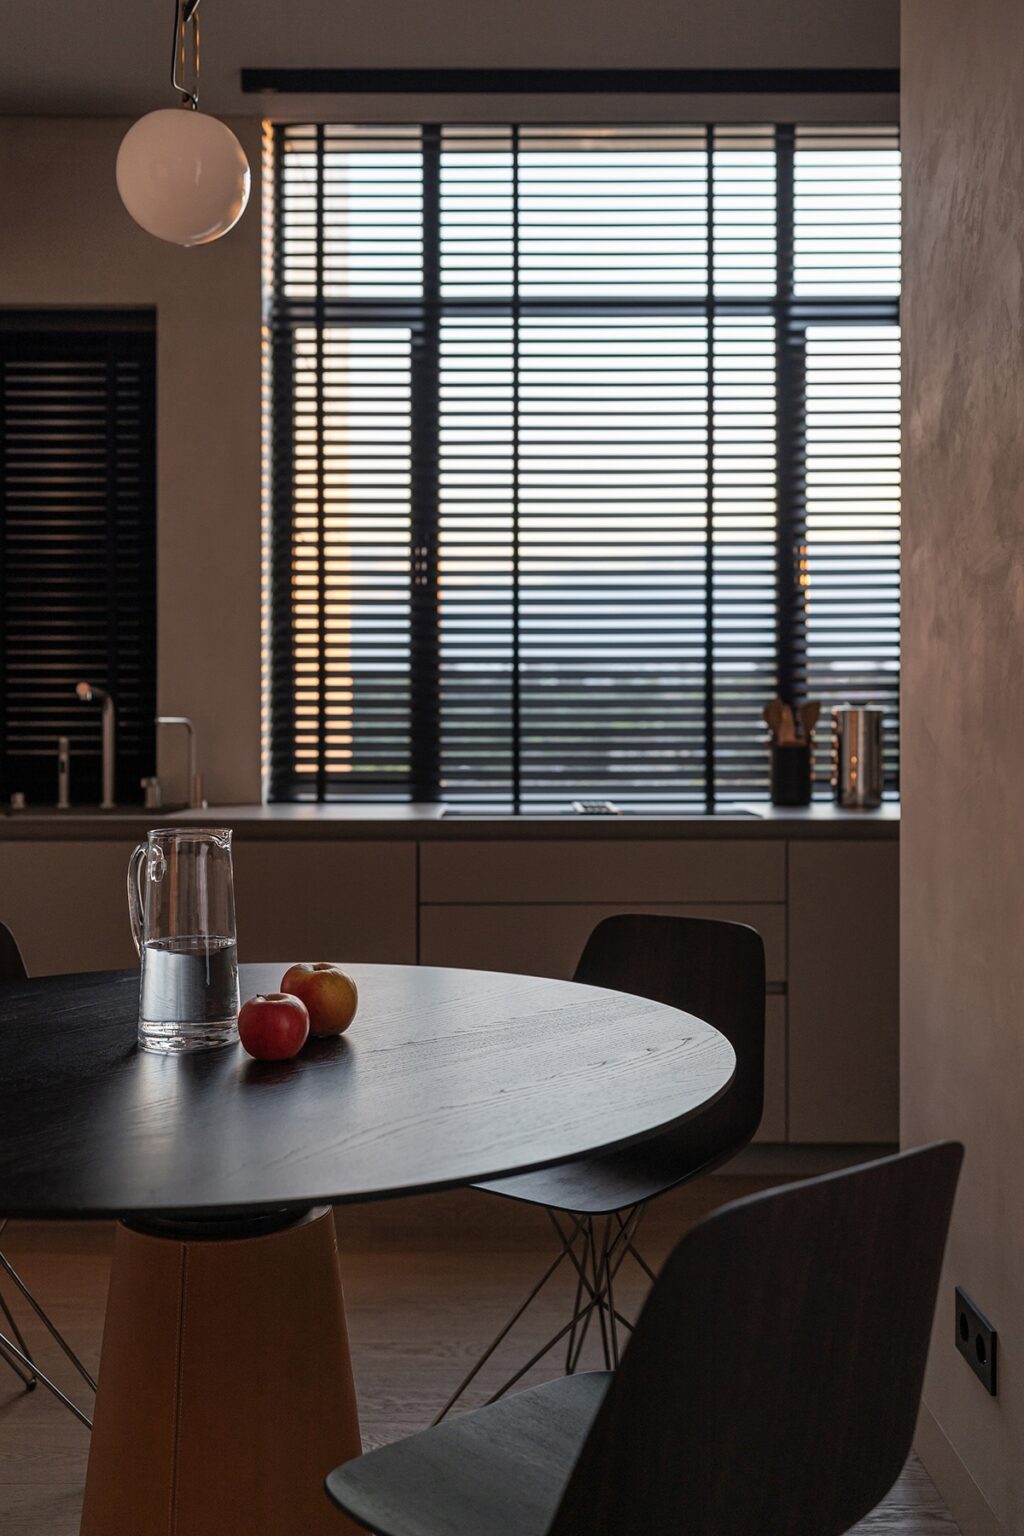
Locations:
(715, 970)
(771, 1386)
(14, 1351)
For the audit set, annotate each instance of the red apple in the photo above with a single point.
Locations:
(328, 992)
(273, 1026)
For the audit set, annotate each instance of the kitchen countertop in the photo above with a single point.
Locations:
(294, 823)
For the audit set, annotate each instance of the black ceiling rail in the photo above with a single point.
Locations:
(561, 82)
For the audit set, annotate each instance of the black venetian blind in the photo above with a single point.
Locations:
(77, 546)
(582, 443)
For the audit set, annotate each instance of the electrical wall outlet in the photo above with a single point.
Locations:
(976, 1340)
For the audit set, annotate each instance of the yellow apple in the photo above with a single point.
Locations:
(328, 992)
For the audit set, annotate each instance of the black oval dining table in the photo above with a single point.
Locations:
(225, 1387)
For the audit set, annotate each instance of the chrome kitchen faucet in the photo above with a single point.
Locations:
(89, 695)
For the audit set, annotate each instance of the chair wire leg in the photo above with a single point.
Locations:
(581, 1228)
(610, 1294)
(29, 1382)
(534, 1358)
(622, 1238)
(11, 1349)
(28, 1377)
(631, 1247)
(602, 1253)
(600, 1279)
(517, 1314)
(584, 1280)
(570, 1364)
(588, 1312)
(582, 1318)
(648, 1271)
(617, 1247)
(20, 1340)
(597, 1270)
(50, 1327)
(611, 1264)
(593, 1277)
(581, 1338)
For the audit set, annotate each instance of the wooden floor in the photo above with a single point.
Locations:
(428, 1283)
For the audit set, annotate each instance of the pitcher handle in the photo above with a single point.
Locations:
(136, 901)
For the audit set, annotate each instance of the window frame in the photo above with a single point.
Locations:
(792, 315)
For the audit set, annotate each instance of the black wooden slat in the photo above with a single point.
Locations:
(77, 546)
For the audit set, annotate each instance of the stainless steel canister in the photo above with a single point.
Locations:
(857, 755)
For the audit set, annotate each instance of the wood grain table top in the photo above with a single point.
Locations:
(445, 1077)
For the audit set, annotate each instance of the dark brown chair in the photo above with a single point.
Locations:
(771, 1386)
(12, 966)
(715, 970)
(14, 1351)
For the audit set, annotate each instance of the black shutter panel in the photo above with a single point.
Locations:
(77, 548)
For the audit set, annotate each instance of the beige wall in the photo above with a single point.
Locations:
(66, 58)
(963, 686)
(66, 239)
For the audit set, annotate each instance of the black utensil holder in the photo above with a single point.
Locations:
(791, 773)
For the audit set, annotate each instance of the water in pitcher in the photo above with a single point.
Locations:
(189, 997)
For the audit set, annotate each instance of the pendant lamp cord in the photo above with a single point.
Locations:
(185, 52)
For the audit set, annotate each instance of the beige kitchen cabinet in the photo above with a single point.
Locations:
(843, 991)
(66, 904)
(326, 901)
(604, 870)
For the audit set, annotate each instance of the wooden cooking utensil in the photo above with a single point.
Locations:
(773, 717)
(809, 717)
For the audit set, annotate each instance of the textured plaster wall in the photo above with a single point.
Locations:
(963, 686)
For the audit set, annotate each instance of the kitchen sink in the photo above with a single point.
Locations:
(670, 813)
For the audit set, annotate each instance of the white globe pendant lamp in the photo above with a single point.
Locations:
(182, 175)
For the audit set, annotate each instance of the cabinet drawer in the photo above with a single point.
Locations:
(65, 904)
(603, 870)
(844, 992)
(326, 901)
(544, 940)
(773, 1121)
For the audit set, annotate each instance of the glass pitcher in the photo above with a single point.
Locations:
(181, 899)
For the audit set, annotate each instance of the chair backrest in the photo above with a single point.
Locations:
(773, 1381)
(713, 969)
(12, 966)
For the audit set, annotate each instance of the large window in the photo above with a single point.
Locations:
(583, 443)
